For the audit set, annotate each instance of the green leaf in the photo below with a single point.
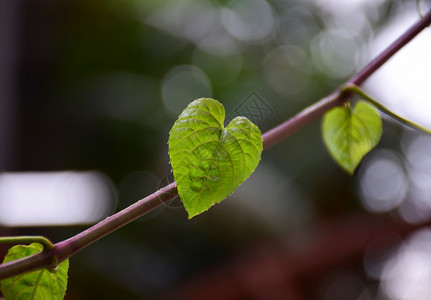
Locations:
(210, 161)
(40, 284)
(349, 133)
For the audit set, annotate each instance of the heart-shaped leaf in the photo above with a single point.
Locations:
(208, 160)
(40, 284)
(349, 133)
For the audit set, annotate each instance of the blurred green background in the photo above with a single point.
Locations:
(97, 85)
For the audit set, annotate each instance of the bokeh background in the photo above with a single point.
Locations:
(90, 89)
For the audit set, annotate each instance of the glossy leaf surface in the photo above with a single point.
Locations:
(210, 161)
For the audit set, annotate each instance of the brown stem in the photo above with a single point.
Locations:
(67, 248)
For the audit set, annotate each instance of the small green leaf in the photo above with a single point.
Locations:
(40, 284)
(349, 133)
(208, 160)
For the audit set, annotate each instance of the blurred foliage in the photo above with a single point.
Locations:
(98, 89)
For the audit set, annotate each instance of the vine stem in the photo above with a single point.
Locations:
(69, 247)
(315, 111)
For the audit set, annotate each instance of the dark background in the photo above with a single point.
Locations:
(96, 85)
